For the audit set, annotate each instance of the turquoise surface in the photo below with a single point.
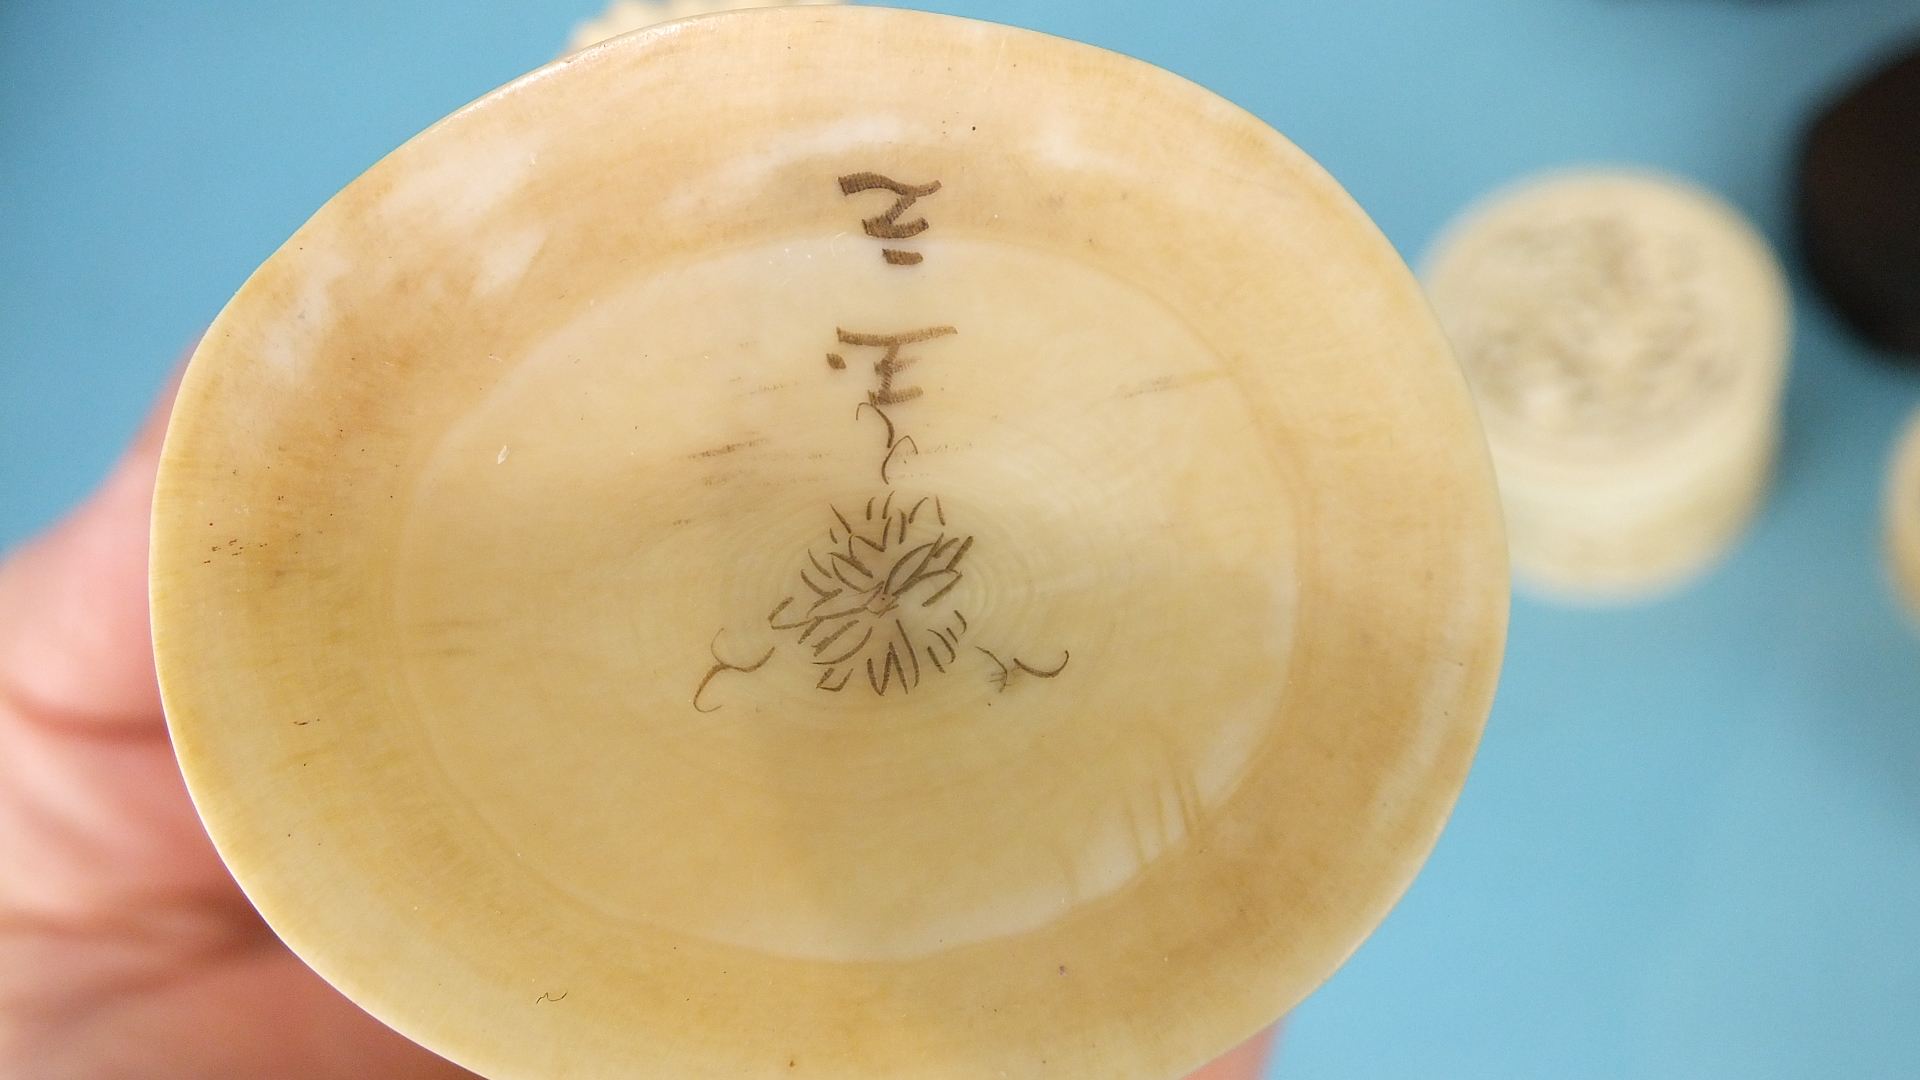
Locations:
(1691, 845)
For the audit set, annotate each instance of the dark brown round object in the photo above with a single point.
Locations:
(1859, 205)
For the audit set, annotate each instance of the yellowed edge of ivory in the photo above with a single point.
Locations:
(1901, 516)
(319, 605)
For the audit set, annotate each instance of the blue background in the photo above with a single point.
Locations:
(1691, 844)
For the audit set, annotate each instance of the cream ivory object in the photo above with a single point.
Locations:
(1626, 337)
(834, 543)
(626, 16)
(1903, 517)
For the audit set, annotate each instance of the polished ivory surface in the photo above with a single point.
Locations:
(834, 543)
(1626, 336)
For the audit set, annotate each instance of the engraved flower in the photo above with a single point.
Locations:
(871, 596)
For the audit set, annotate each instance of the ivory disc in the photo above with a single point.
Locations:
(829, 542)
(1626, 336)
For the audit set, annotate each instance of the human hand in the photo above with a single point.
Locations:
(126, 949)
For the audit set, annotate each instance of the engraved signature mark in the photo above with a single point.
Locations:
(889, 364)
(874, 598)
(888, 226)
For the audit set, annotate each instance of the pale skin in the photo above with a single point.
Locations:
(126, 949)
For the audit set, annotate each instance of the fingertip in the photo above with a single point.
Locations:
(75, 641)
(1248, 1061)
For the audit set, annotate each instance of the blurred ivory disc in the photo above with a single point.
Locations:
(1903, 516)
(829, 542)
(1626, 336)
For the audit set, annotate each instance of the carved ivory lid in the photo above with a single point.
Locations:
(829, 542)
(1612, 318)
(1626, 336)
